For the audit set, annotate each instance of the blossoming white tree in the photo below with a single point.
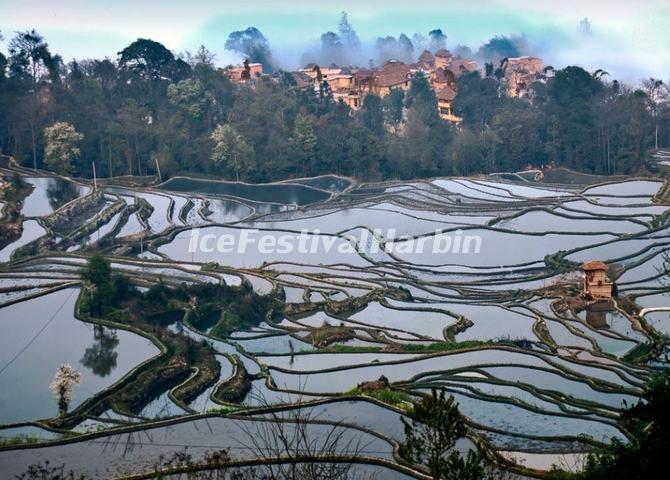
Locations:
(232, 151)
(63, 385)
(61, 147)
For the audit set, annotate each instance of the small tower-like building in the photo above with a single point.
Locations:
(597, 284)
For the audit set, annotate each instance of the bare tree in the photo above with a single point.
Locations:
(298, 453)
(296, 450)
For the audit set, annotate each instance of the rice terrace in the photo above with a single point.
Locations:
(539, 373)
(402, 241)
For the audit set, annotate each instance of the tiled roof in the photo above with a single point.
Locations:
(393, 73)
(302, 79)
(441, 76)
(594, 265)
(364, 74)
(444, 53)
(458, 65)
(426, 59)
(445, 93)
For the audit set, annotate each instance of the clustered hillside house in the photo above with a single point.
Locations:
(351, 84)
(520, 72)
(246, 71)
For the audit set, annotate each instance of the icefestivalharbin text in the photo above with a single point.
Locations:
(312, 242)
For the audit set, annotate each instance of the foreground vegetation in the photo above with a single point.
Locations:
(644, 456)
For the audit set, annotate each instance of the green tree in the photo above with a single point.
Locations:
(253, 45)
(304, 141)
(364, 153)
(201, 57)
(644, 456)
(347, 33)
(61, 147)
(148, 59)
(478, 100)
(97, 278)
(332, 50)
(189, 97)
(430, 438)
(393, 106)
(500, 47)
(31, 65)
(146, 68)
(421, 96)
(411, 153)
(3, 66)
(422, 145)
(263, 114)
(134, 121)
(232, 150)
(30, 58)
(246, 73)
(572, 95)
(371, 114)
(438, 39)
(467, 153)
(516, 137)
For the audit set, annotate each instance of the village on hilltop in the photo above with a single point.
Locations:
(351, 84)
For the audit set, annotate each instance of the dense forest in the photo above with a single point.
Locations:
(148, 107)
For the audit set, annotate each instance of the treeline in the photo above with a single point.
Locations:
(575, 119)
(149, 108)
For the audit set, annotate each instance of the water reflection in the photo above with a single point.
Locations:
(60, 192)
(101, 356)
(54, 337)
(49, 194)
(596, 314)
(265, 193)
(226, 211)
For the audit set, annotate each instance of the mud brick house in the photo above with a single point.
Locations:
(392, 75)
(597, 284)
(520, 73)
(236, 73)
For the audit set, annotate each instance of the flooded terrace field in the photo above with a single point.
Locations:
(284, 193)
(468, 285)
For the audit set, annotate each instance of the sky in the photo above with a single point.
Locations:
(629, 38)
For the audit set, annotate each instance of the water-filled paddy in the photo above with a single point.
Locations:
(32, 230)
(111, 457)
(273, 192)
(159, 220)
(480, 247)
(242, 248)
(227, 211)
(515, 419)
(51, 336)
(478, 324)
(49, 194)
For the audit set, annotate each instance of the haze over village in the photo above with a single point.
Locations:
(626, 39)
(350, 83)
